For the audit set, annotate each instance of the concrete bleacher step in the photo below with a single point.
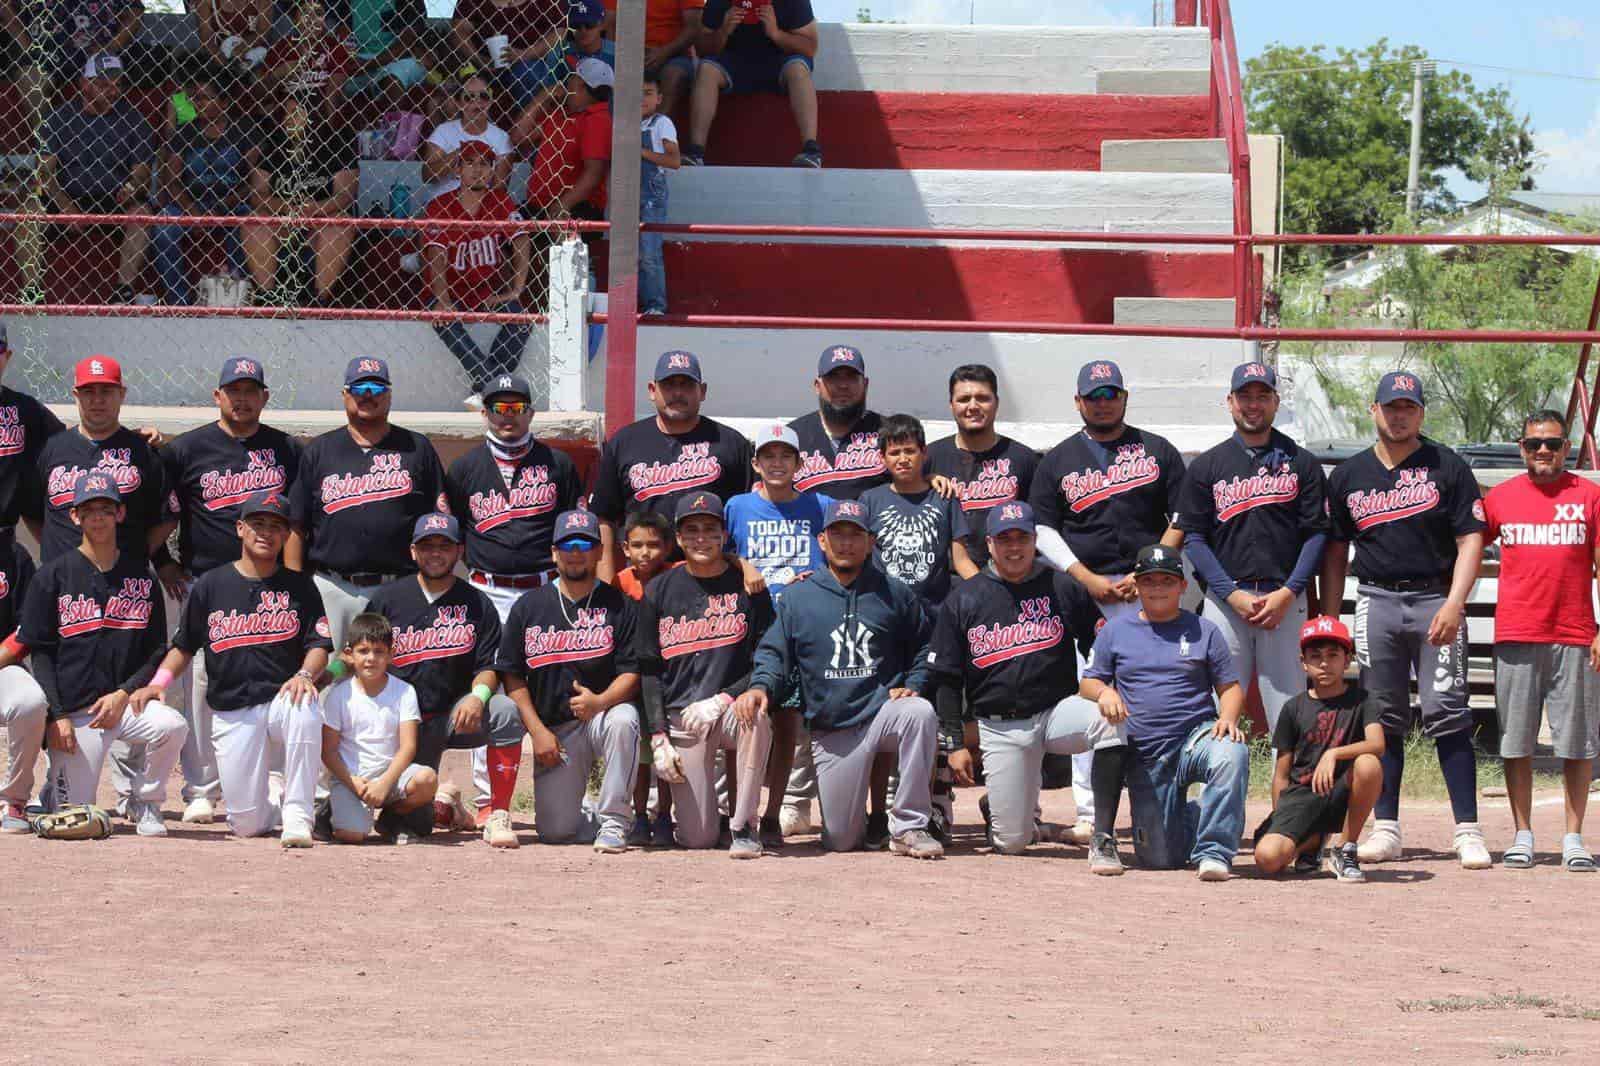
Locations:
(1160, 82)
(1186, 311)
(1175, 155)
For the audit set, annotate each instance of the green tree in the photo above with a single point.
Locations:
(1346, 125)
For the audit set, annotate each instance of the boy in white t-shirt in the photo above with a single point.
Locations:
(658, 139)
(369, 737)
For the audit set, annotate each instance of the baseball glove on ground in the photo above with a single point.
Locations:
(78, 822)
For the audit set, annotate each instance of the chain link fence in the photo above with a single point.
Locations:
(287, 181)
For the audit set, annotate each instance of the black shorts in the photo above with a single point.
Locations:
(754, 71)
(1302, 814)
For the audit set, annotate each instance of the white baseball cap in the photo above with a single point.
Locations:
(103, 65)
(596, 72)
(777, 433)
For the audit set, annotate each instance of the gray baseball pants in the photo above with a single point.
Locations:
(1014, 750)
(1271, 656)
(23, 712)
(694, 800)
(1391, 642)
(843, 757)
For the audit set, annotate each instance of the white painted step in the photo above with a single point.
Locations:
(1191, 81)
(1175, 156)
(1164, 311)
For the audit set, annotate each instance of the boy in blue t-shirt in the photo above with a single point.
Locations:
(1158, 670)
(774, 528)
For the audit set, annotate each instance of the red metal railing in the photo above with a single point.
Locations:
(1227, 122)
(1582, 402)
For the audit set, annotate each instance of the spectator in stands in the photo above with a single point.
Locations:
(234, 33)
(310, 62)
(520, 39)
(205, 171)
(308, 167)
(659, 154)
(388, 40)
(756, 48)
(671, 30)
(442, 149)
(574, 149)
(467, 268)
(98, 159)
(586, 37)
(75, 31)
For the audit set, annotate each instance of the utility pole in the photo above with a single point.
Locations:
(1420, 70)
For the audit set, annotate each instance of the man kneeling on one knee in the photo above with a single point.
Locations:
(1157, 670)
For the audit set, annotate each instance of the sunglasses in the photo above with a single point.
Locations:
(367, 390)
(509, 407)
(1549, 444)
(1103, 393)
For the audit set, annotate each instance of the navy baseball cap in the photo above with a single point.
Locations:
(1100, 374)
(697, 503)
(841, 357)
(576, 525)
(677, 363)
(507, 385)
(95, 485)
(366, 368)
(266, 501)
(242, 368)
(1158, 559)
(436, 525)
(586, 13)
(852, 511)
(1400, 385)
(1014, 515)
(1253, 374)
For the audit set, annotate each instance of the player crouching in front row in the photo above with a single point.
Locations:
(1328, 775)
(370, 725)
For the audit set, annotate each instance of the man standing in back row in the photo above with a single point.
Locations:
(1412, 509)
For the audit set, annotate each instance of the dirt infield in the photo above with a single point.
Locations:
(203, 948)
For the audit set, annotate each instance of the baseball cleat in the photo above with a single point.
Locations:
(1470, 848)
(639, 835)
(917, 843)
(795, 819)
(1309, 862)
(14, 819)
(1103, 857)
(877, 837)
(497, 831)
(1214, 870)
(146, 819)
(661, 834)
(1344, 864)
(746, 845)
(771, 834)
(1382, 844)
(199, 812)
(610, 841)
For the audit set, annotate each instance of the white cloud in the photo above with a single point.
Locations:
(1571, 158)
(1563, 28)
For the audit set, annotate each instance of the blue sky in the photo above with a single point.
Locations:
(1553, 35)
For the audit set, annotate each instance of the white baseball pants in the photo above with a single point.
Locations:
(251, 741)
(75, 776)
(23, 711)
(1271, 656)
(694, 801)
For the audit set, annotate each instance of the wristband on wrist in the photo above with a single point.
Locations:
(482, 691)
(15, 647)
(162, 678)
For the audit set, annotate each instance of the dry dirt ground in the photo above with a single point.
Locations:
(203, 948)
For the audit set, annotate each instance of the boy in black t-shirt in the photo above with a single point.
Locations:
(1328, 775)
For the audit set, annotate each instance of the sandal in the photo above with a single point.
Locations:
(1578, 861)
(1518, 857)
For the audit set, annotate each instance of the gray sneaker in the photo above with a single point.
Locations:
(610, 841)
(146, 818)
(746, 845)
(917, 843)
(1343, 864)
(1103, 857)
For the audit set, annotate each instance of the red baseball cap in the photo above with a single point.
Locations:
(1326, 627)
(97, 370)
(476, 152)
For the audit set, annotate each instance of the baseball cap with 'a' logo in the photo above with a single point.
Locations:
(697, 503)
(97, 370)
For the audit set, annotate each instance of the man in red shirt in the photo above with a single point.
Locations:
(1546, 648)
(574, 147)
(466, 267)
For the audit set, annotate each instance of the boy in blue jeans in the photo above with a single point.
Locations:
(659, 153)
(1157, 670)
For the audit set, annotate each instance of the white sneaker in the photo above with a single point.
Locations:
(1470, 848)
(497, 831)
(795, 821)
(199, 812)
(1214, 870)
(296, 832)
(146, 818)
(1382, 844)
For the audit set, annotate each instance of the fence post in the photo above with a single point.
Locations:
(567, 332)
(622, 289)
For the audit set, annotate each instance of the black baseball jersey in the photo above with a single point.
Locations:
(90, 633)
(1108, 500)
(130, 460)
(211, 473)
(551, 641)
(644, 469)
(25, 425)
(254, 632)
(1256, 507)
(356, 505)
(16, 574)
(1009, 646)
(508, 513)
(842, 469)
(985, 479)
(1404, 521)
(698, 636)
(439, 645)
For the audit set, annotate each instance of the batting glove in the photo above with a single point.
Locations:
(669, 767)
(699, 716)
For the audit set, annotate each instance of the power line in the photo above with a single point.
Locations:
(1353, 64)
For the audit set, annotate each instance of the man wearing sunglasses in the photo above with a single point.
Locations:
(1411, 508)
(1546, 650)
(360, 489)
(1098, 497)
(441, 152)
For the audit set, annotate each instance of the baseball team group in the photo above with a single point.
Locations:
(836, 614)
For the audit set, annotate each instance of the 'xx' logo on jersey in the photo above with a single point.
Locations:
(1569, 512)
